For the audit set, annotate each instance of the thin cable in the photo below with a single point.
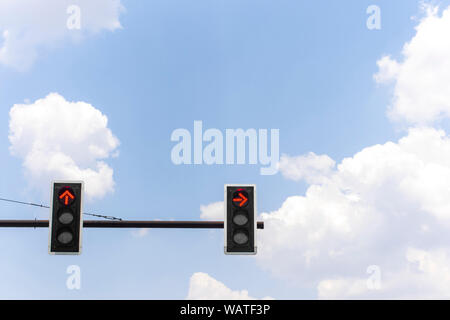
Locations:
(27, 203)
(47, 207)
(101, 216)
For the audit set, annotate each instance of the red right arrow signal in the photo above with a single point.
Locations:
(241, 200)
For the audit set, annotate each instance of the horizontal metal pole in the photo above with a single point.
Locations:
(123, 224)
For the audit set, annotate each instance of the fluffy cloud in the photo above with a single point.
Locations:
(28, 26)
(140, 233)
(388, 70)
(342, 288)
(203, 287)
(43, 134)
(387, 205)
(422, 78)
(212, 211)
(421, 274)
(309, 167)
(386, 208)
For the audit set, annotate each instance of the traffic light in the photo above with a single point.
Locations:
(240, 219)
(66, 220)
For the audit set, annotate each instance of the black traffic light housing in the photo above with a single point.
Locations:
(66, 219)
(240, 219)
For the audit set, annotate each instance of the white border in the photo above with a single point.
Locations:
(255, 212)
(80, 242)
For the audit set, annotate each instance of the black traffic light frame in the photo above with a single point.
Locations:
(75, 227)
(230, 227)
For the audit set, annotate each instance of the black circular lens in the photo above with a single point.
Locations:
(65, 216)
(65, 237)
(240, 237)
(240, 218)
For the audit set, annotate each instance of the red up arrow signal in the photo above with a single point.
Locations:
(241, 200)
(66, 195)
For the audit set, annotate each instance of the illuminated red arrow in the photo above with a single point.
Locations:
(242, 199)
(66, 195)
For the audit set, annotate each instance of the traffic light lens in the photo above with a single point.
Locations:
(240, 237)
(66, 196)
(65, 237)
(240, 218)
(240, 198)
(66, 217)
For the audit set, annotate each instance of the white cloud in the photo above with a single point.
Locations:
(388, 70)
(140, 233)
(420, 274)
(342, 288)
(311, 167)
(203, 287)
(422, 78)
(387, 205)
(26, 27)
(372, 209)
(58, 139)
(212, 211)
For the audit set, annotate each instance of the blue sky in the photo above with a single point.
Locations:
(304, 67)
